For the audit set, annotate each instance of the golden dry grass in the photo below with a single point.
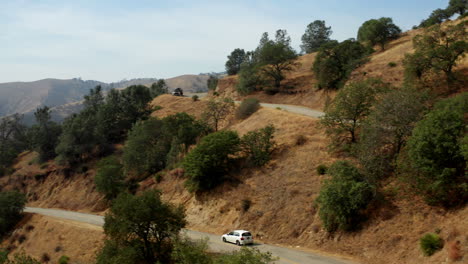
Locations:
(175, 104)
(56, 237)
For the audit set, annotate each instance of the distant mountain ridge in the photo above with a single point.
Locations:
(64, 96)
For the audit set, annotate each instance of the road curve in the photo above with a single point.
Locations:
(302, 110)
(285, 255)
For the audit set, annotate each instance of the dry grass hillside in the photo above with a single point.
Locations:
(303, 79)
(281, 196)
(41, 236)
(51, 186)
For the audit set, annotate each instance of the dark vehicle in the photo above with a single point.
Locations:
(178, 92)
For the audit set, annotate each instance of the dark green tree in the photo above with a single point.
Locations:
(258, 145)
(335, 62)
(207, 164)
(343, 197)
(316, 34)
(158, 88)
(45, 134)
(143, 225)
(79, 139)
(435, 152)
(250, 79)
(13, 140)
(146, 147)
(386, 130)
(457, 6)
(437, 17)
(345, 114)
(109, 178)
(378, 31)
(94, 99)
(212, 83)
(11, 207)
(153, 142)
(234, 62)
(439, 49)
(276, 58)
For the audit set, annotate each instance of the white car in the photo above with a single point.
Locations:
(239, 237)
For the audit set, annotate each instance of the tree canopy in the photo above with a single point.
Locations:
(378, 31)
(140, 228)
(316, 34)
(335, 62)
(344, 115)
(207, 163)
(234, 62)
(436, 151)
(276, 57)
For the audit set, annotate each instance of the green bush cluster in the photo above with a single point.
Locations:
(109, 178)
(11, 207)
(343, 197)
(247, 108)
(208, 162)
(431, 243)
(257, 145)
(155, 143)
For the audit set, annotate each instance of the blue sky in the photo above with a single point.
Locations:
(111, 40)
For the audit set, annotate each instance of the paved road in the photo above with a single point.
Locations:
(286, 255)
(302, 110)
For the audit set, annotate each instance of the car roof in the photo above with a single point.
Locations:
(240, 231)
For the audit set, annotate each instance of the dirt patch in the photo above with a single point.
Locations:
(39, 235)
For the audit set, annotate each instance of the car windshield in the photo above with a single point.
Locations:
(246, 234)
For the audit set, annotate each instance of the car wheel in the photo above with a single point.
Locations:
(238, 243)
(224, 239)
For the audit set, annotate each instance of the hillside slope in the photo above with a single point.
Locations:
(303, 79)
(281, 195)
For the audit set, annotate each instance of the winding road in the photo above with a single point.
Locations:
(301, 110)
(285, 255)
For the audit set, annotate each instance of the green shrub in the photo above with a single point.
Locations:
(322, 169)
(109, 177)
(154, 143)
(343, 197)
(436, 153)
(158, 177)
(247, 108)
(187, 251)
(392, 64)
(208, 162)
(246, 256)
(430, 243)
(335, 62)
(195, 98)
(258, 145)
(11, 207)
(64, 260)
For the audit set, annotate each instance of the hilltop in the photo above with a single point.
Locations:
(387, 65)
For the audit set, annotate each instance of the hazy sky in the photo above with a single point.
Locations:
(111, 40)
